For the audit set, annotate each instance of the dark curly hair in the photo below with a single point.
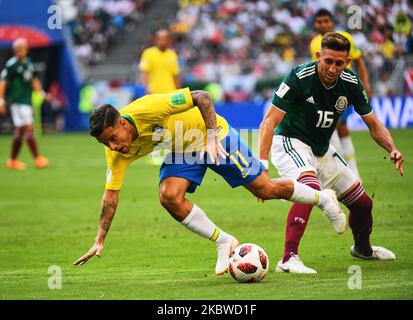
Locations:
(101, 118)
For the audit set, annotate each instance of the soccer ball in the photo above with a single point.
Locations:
(248, 263)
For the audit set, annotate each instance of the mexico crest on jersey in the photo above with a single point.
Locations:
(341, 104)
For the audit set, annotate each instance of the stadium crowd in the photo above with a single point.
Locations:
(237, 42)
(96, 25)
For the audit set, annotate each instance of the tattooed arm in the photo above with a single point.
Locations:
(214, 148)
(109, 204)
(108, 209)
(203, 100)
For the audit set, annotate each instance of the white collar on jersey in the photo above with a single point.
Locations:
(328, 88)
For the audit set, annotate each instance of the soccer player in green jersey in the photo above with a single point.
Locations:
(19, 79)
(304, 113)
(341, 138)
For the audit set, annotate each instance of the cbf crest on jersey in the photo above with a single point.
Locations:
(341, 104)
(158, 129)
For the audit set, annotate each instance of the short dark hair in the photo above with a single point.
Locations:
(101, 118)
(335, 41)
(323, 13)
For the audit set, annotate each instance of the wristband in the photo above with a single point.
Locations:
(2, 101)
(264, 163)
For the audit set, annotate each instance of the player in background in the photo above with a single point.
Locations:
(159, 69)
(199, 139)
(341, 139)
(159, 65)
(17, 81)
(297, 130)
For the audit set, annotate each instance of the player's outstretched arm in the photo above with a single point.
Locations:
(382, 136)
(203, 100)
(108, 209)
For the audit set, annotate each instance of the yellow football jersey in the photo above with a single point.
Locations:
(161, 67)
(315, 46)
(162, 120)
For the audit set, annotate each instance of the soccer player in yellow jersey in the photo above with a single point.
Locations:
(323, 23)
(160, 72)
(159, 65)
(186, 123)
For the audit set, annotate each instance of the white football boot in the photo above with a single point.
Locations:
(293, 265)
(333, 212)
(224, 251)
(379, 253)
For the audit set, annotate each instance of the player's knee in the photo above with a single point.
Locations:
(19, 132)
(170, 198)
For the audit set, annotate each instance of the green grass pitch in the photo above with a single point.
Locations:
(49, 217)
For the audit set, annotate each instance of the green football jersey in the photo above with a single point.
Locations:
(19, 76)
(312, 110)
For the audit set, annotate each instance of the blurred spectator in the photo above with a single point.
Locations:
(402, 28)
(96, 25)
(387, 47)
(384, 86)
(58, 104)
(408, 82)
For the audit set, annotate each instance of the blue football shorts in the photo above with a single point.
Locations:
(240, 168)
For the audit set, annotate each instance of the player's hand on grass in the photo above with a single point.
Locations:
(397, 158)
(96, 250)
(267, 175)
(214, 148)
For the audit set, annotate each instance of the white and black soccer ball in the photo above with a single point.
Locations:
(248, 263)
